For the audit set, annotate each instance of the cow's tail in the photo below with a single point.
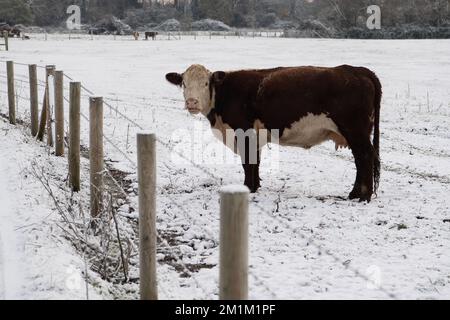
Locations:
(376, 130)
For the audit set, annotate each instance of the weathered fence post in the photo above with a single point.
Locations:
(45, 113)
(96, 154)
(34, 99)
(59, 113)
(147, 215)
(233, 243)
(74, 136)
(43, 121)
(11, 92)
(50, 71)
(6, 36)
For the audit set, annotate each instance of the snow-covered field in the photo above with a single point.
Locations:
(400, 241)
(35, 261)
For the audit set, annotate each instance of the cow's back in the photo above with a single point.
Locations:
(290, 94)
(236, 97)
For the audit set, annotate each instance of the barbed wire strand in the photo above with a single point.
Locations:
(16, 95)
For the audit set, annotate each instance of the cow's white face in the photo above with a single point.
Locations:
(197, 86)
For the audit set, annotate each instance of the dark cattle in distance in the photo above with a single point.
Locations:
(306, 105)
(98, 31)
(4, 27)
(15, 32)
(12, 31)
(150, 34)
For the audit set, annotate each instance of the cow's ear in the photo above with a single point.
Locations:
(218, 77)
(175, 78)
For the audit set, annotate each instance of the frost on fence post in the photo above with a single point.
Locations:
(374, 20)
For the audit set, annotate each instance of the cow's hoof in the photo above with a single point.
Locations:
(365, 198)
(362, 197)
(253, 189)
(355, 194)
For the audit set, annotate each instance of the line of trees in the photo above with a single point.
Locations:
(237, 13)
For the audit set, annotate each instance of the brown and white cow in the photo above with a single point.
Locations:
(307, 105)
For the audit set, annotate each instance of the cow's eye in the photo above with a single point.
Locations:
(206, 84)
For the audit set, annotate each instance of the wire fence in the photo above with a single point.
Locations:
(321, 250)
(162, 35)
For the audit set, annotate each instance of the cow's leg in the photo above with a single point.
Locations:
(250, 154)
(251, 170)
(356, 192)
(252, 180)
(364, 159)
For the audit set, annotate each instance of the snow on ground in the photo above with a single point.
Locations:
(35, 261)
(399, 241)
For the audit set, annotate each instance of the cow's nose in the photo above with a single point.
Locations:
(191, 103)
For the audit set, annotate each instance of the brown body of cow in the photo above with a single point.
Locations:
(151, 34)
(308, 105)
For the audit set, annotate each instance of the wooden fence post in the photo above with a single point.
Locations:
(11, 92)
(34, 99)
(50, 71)
(45, 122)
(74, 136)
(96, 154)
(233, 243)
(146, 146)
(59, 113)
(6, 36)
